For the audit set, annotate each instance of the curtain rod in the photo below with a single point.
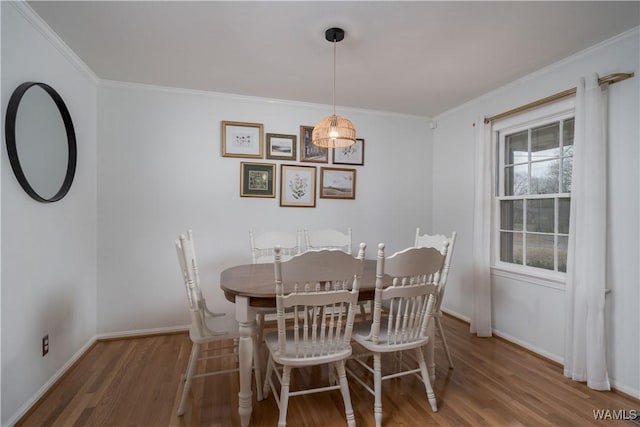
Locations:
(610, 79)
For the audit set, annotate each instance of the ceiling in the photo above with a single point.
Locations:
(417, 58)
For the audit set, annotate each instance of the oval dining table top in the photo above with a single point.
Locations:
(257, 282)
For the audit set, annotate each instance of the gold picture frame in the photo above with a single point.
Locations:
(257, 179)
(240, 139)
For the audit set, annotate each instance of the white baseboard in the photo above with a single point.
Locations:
(45, 388)
(635, 393)
(455, 314)
(78, 354)
(155, 331)
(139, 332)
(529, 346)
(509, 338)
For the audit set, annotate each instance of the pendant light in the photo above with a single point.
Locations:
(334, 131)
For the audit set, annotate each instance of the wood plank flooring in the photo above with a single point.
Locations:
(137, 382)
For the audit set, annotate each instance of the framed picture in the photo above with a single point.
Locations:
(351, 155)
(257, 179)
(281, 147)
(242, 139)
(336, 183)
(308, 151)
(298, 186)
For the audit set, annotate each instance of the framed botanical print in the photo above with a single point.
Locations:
(351, 155)
(337, 183)
(241, 139)
(257, 179)
(308, 151)
(281, 147)
(298, 186)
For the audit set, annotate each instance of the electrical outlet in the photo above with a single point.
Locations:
(45, 345)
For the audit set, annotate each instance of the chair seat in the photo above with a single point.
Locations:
(290, 358)
(223, 327)
(361, 331)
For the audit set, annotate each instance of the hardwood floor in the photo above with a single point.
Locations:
(137, 382)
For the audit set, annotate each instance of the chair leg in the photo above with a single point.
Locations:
(332, 375)
(425, 379)
(190, 362)
(284, 396)
(191, 367)
(257, 368)
(377, 387)
(444, 342)
(363, 311)
(346, 397)
(260, 322)
(267, 378)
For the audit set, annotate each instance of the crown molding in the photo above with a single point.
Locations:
(43, 28)
(326, 109)
(634, 32)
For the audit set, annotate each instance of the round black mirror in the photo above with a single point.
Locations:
(41, 141)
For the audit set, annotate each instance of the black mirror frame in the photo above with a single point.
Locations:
(10, 137)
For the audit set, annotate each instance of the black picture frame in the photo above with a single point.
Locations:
(352, 155)
(281, 147)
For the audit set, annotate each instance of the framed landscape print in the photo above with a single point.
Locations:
(257, 179)
(298, 186)
(336, 183)
(281, 147)
(308, 151)
(242, 139)
(351, 155)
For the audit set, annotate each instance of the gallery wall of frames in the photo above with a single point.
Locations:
(298, 181)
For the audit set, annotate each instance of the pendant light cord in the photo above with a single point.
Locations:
(334, 76)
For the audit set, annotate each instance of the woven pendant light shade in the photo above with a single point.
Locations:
(333, 132)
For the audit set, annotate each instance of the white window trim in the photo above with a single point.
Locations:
(537, 276)
(548, 279)
(524, 120)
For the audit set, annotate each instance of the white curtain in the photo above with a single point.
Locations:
(584, 357)
(481, 247)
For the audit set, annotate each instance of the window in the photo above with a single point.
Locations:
(533, 193)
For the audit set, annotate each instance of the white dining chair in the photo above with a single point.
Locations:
(321, 289)
(410, 297)
(262, 252)
(332, 239)
(262, 245)
(438, 241)
(328, 239)
(206, 326)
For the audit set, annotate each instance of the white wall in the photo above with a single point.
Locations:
(160, 172)
(527, 313)
(49, 264)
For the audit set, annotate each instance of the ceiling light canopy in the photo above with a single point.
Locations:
(334, 131)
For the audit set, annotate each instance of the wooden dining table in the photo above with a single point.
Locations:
(251, 287)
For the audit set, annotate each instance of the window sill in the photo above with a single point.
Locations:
(548, 280)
